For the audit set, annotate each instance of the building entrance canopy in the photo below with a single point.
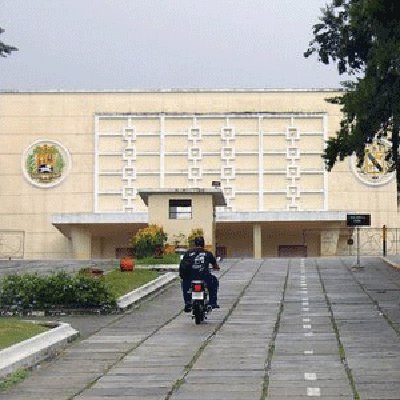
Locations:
(98, 223)
(92, 221)
(281, 216)
(256, 234)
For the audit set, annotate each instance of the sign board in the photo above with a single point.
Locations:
(358, 219)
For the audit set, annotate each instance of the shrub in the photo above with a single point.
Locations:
(148, 239)
(20, 293)
(169, 249)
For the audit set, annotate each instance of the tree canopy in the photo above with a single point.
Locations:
(363, 38)
(5, 49)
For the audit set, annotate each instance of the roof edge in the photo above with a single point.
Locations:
(170, 90)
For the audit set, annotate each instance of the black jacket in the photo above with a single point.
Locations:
(195, 263)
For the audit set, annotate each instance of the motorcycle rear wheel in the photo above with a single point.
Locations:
(197, 314)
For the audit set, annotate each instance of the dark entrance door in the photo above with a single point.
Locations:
(121, 252)
(292, 250)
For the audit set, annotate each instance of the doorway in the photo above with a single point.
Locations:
(292, 250)
(121, 252)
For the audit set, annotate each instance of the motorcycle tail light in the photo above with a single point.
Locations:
(197, 287)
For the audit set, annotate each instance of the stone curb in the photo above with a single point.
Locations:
(159, 267)
(32, 351)
(133, 297)
(391, 263)
(36, 349)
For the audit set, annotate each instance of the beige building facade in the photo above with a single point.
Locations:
(73, 165)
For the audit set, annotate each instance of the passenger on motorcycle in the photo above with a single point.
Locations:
(195, 265)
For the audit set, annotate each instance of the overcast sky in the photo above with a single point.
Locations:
(130, 44)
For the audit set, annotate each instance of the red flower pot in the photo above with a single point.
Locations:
(127, 264)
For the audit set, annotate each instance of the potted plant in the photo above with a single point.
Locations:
(127, 264)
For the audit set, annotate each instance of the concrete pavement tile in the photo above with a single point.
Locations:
(125, 397)
(239, 374)
(383, 394)
(303, 396)
(298, 375)
(125, 391)
(336, 392)
(217, 395)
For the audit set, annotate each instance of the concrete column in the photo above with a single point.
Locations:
(329, 242)
(213, 243)
(98, 247)
(81, 244)
(257, 241)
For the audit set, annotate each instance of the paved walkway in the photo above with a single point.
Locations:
(287, 329)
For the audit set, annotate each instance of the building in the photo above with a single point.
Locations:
(73, 165)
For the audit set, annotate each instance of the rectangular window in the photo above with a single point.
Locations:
(180, 209)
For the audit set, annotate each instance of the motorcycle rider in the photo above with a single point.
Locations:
(195, 265)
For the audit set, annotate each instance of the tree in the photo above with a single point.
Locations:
(5, 49)
(363, 38)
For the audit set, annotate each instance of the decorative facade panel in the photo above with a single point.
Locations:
(265, 158)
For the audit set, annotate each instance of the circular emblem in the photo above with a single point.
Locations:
(46, 163)
(375, 168)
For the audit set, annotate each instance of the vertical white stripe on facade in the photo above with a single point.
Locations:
(194, 154)
(260, 165)
(293, 168)
(326, 188)
(227, 164)
(96, 164)
(162, 151)
(195, 160)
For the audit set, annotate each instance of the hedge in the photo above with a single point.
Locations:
(29, 292)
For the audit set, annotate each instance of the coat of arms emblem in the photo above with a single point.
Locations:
(46, 163)
(375, 168)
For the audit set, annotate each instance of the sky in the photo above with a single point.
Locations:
(161, 44)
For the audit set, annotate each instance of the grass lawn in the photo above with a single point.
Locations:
(124, 282)
(14, 330)
(172, 258)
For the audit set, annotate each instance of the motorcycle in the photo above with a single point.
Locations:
(200, 306)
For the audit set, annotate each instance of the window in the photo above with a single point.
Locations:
(180, 209)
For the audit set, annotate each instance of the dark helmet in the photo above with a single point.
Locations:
(199, 241)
